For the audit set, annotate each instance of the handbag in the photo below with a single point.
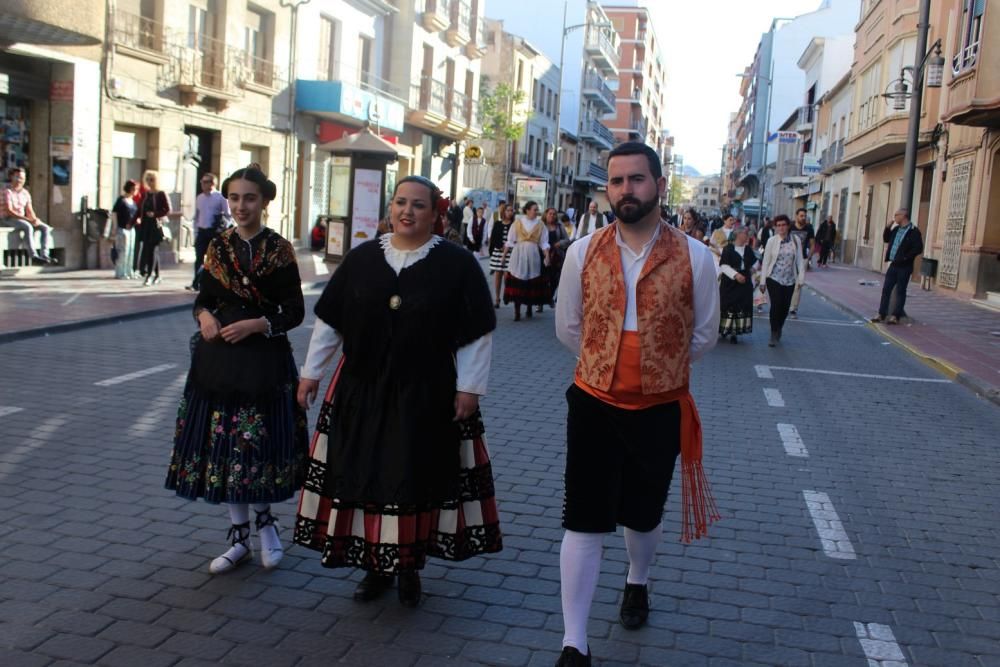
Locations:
(165, 233)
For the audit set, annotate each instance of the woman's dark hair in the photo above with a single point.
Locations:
(694, 215)
(564, 218)
(545, 214)
(129, 186)
(528, 205)
(424, 181)
(252, 173)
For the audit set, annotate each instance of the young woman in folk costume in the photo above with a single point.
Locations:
(525, 282)
(498, 249)
(241, 438)
(399, 468)
(736, 286)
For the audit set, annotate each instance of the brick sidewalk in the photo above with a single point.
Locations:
(959, 338)
(62, 300)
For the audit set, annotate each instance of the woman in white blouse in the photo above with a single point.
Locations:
(399, 469)
(527, 244)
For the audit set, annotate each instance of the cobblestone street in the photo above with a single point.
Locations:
(859, 491)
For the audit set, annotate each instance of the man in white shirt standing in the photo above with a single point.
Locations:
(638, 303)
(589, 222)
(211, 214)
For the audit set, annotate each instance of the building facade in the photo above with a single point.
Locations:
(639, 91)
(50, 98)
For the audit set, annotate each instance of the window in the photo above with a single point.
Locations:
(520, 75)
(869, 93)
(257, 45)
(548, 104)
(366, 60)
(326, 67)
(531, 150)
(971, 27)
(901, 55)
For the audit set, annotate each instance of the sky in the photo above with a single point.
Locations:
(705, 45)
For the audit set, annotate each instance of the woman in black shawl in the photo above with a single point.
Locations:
(241, 438)
(399, 468)
(736, 286)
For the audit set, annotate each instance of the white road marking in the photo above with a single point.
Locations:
(871, 376)
(879, 645)
(321, 268)
(71, 299)
(774, 398)
(792, 441)
(133, 376)
(833, 537)
(764, 372)
(8, 410)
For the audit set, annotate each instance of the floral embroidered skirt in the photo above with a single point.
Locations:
(391, 538)
(239, 450)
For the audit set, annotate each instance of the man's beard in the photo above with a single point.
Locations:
(641, 209)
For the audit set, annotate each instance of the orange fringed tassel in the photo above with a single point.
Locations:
(698, 508)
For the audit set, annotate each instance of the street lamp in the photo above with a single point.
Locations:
(934, 67)
(562, 52)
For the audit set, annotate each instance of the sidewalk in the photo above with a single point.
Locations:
(960, 339)
(42, 303)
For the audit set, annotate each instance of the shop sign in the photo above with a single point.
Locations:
(60, 146)
(810, 165)
(61, 91)
(529, 189)
(367, 202)
(783, 137)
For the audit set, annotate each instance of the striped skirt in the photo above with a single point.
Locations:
(497, 261)
(391, 538)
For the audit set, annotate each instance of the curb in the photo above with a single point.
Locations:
(953, 373)
(66, 327)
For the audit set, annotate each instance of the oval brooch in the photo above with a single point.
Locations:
(395, 301)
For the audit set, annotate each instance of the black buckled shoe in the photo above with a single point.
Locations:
(373, 586)
(570, 657)
(635, 606)
(409, 589)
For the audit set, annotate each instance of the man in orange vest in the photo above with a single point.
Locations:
(638, 302)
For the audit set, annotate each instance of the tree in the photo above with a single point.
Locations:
(676, 190)
(504, 118)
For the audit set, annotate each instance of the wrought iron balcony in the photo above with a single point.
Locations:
(597, 133)
(602, 48)
(476, 47)
(460, 30)
(437, 15)
(139, 32)
(804, 123)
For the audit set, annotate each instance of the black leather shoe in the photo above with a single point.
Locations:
(570, 657)
(635, 607)
(373, 586)
(409, 589)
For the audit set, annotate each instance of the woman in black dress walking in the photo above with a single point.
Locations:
(399, 468)
(736, 286)
(240, 437)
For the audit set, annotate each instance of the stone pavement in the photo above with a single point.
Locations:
(59, 300)
(957, 337)
(102, 566)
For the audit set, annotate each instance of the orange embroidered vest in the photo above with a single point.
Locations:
(521, 234)
(664, 305)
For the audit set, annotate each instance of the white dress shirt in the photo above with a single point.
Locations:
(569, 306)
(472, 361)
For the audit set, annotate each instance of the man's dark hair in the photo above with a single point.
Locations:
(728, 215)
(639, 148)
(781, 218)
(802, 210)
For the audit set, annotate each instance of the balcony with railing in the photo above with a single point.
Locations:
(436, 15)
(602, 47)
(804, 122)
(429, 97)
(972, 96)
(597, 91)
(638, 126)
(597, 133)
(476, 48)
(595, 174)
(460, 29)
(792, 172)
(140, 36)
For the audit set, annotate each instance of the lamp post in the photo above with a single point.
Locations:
(562, 52)
(934, 67)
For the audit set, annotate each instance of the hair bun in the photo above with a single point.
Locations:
(255, 165)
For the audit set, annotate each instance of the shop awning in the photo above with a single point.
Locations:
(29, 31)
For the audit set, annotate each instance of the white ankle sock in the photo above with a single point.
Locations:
(641, 549)
(271, 550)
(579, 568)
(239, 513)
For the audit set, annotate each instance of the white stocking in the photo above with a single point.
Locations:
(579, 568)
(641, 549)
(239, 513)
(271, 550)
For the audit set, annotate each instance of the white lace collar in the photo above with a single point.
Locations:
(400, 259)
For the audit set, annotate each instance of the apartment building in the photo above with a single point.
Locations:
(194, 87)
(600, 63)
(50, 96)
(639, 93)
(513, 60)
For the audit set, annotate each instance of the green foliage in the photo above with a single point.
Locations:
(496, 111)
(676, 190)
